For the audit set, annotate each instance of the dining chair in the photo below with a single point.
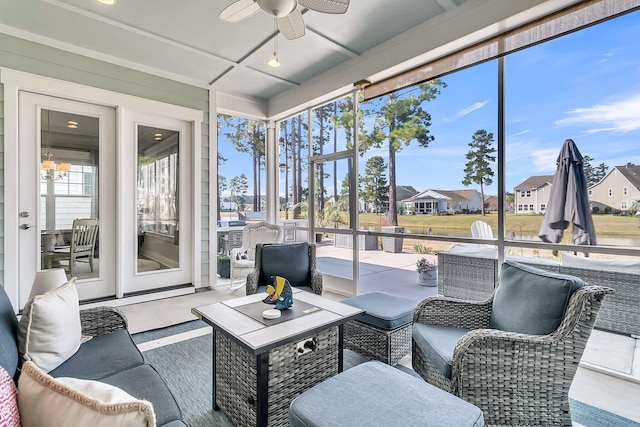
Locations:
(84, 233)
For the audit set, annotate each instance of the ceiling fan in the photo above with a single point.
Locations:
(285, 12)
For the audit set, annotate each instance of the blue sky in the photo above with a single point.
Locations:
(584, 86)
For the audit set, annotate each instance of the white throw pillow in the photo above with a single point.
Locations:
(46, 401)
(49, 330)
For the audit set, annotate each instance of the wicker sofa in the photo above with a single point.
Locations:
(471, 272)
(110, 357)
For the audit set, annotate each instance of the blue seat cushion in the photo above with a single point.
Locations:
(383, 310)
(376, 394)
(8, 334)
(100, 357)
(144, 382)
(288, 261)
(529, 300)
(437, 342)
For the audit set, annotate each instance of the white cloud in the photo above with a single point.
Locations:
(620, 117)
(545, 160)
(471, 109)
(521, 132)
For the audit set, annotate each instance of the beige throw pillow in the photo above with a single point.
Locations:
(49, 330)
(45, 401)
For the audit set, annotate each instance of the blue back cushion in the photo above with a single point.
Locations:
(530, 300)
(288, 261)
(8, 334)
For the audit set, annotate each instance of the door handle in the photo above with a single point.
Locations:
(26, 226)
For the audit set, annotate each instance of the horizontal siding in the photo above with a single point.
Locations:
(35, 58)
(43, 60)
(204, 202)
(2, 185)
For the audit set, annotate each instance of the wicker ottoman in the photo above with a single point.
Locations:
(374, 394)
(383, 331)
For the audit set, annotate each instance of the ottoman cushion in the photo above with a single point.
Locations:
(383, 310)
(380, 395)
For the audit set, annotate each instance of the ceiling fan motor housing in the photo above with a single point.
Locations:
(278, 8)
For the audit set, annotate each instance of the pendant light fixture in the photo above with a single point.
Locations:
(274, 62)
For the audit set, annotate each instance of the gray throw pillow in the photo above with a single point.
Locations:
(530, 300)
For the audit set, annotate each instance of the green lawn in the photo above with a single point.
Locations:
(605, 225)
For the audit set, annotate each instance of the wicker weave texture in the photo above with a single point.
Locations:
(474, 278)
(465, 277)
(621, 311)
(516, 379)
(388, 346)
(102, 320)
(290, 374)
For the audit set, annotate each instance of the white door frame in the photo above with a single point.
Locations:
(15, 81)
(30, 153)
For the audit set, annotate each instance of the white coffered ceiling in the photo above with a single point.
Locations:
(184, 40)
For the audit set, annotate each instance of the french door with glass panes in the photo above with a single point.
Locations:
(66, 155)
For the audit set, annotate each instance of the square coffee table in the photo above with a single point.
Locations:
(260, 365)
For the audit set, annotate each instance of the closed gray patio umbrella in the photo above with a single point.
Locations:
(568, 201)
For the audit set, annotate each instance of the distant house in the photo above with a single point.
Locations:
(532, 195)
(427, 202)
(617, 190)
(463, 201)
(402, 192)
(491, 203)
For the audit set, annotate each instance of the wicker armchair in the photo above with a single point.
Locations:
(515, 378)
(296, 262)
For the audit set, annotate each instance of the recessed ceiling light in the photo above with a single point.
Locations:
(107, 1)
(72, 125)
(157, 134)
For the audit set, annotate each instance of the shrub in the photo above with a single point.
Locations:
(420, 248)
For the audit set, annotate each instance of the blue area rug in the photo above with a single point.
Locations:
(190, 382)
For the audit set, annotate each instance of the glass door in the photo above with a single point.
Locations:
(67, 165)
(156, 203)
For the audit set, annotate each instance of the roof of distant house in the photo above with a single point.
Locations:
(631, 172)
(405, 191)
(428, 194)
(534, 182)
(458, 194)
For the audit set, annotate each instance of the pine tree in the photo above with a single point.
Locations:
(478, 169)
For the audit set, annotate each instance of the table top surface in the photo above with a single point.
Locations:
(257, 337)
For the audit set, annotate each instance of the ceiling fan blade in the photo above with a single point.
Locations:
(326, 6)
(239, 10)
(292, 26)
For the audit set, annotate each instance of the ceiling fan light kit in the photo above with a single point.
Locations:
(288, 18)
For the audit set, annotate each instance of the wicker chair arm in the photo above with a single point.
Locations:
(501, 356)
(316, 282)
(102, 320)
(253, 277)
(252, 282)
(446, 311)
